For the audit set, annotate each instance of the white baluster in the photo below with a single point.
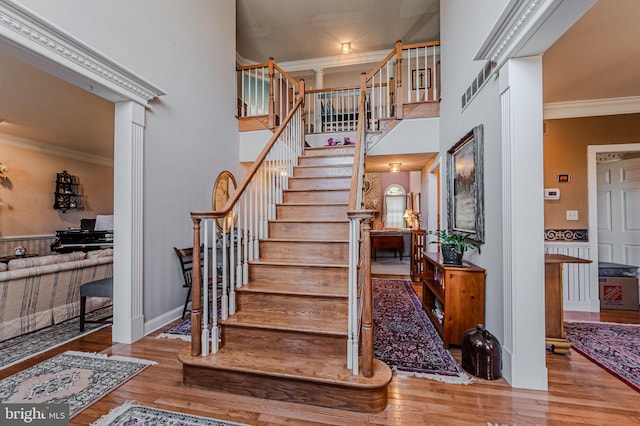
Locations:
(214, 298)
(434, 74)
(225, 271)
(245, 237)
(409, 83)
(232, 278)
(265, 108)
(205, 293)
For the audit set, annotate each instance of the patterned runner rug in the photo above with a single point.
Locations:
(614, 347)
(75, 378)
(133, 414)
(23, 347)
(404, 337)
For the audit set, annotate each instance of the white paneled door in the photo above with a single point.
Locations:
(619, 211)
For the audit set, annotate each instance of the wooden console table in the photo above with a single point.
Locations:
(387, 241)
(554, 311)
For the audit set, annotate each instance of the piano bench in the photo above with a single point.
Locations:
(99, 288)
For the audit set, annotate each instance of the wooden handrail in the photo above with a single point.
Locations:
(250, 67)
(256, 165)
(287, 76)
(356, 177)
(381, 64)
(423, 44)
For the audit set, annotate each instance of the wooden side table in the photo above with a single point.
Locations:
(554, 311)
(387, 241)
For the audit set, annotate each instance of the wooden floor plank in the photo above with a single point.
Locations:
(580, 392)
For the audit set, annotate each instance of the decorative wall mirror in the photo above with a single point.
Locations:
(223, 190)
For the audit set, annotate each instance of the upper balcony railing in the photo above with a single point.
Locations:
(265, 90)
(409, 74)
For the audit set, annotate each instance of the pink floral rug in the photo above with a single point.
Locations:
(614, 347)
(404, 337)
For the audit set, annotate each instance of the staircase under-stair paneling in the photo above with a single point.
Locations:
(288, 338)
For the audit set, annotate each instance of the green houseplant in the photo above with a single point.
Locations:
(453, 245)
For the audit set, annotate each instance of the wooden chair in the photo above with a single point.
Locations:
(185, 255)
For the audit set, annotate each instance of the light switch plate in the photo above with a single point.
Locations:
(572, 214)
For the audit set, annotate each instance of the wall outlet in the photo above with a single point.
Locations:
(572, 214)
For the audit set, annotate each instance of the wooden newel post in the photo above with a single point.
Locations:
(367, 301)
(196, 292)
(399, 93)
(271, 118)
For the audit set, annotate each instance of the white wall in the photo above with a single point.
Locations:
(464, 24)
(187, 49)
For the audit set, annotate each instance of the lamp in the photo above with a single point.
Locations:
(408, 217)
(394, 167)
(346, 48)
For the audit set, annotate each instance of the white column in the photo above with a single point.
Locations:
(524, 363)
(128, 319)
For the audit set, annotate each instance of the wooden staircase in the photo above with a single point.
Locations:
(288, 339)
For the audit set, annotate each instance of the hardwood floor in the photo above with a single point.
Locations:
(579, 392)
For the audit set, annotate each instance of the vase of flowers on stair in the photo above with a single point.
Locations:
(338, 142)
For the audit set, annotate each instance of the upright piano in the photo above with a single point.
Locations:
(81, 240)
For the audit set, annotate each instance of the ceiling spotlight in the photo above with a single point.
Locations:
(346, 48)
(394, 167)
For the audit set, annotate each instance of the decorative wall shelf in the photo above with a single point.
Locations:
(67, 195)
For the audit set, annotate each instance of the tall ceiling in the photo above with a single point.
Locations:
(599, 57)
(292, 30)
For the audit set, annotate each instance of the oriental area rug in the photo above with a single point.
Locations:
(75, 378)
(614, 347)
(133, 414)
(23, 347)
(404, 337)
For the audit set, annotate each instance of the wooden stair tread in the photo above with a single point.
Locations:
(316, 190)
(333, 290)
(321, 166)
(313, 204)
(301, 240)
(294, 262)
(279, 364)
(314, 221)
(277, 320)
(321, 177)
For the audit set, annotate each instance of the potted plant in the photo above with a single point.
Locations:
(453, 245)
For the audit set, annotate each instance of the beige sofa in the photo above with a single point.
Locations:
(37, 292)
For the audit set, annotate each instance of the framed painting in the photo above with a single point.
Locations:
(465, 185)
(421, 79)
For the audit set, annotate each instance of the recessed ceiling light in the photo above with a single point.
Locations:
(346, 48)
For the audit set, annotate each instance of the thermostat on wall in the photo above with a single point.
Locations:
(551, 194)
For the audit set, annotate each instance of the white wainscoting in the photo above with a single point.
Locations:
(576, 277)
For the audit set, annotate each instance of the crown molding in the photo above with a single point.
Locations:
(529, 27)
(590, 108)
(68, 58)
(58, 151)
